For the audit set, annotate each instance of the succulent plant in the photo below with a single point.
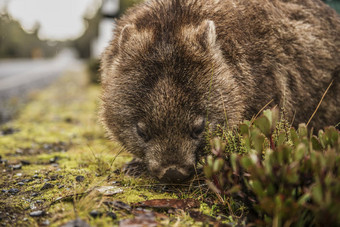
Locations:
(283, 176)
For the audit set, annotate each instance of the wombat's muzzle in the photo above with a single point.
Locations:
(175, 175)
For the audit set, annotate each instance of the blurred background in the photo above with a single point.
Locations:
(40, 39)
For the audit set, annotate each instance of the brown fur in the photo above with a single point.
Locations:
(174, 63)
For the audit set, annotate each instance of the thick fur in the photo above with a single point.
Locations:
(172, 62)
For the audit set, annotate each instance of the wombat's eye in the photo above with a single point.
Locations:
(141, 130)
(198, 127)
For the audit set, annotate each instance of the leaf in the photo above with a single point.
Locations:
(316, 143)
(317, 193)
(292, 176)
(257, 188)
(258, 143)
(207, 171)
(244, 129)
(281, 138)
(217, 146)
(304, 199)
(246, 162)
(218, 164)
(210, 161)
(233, 161)
(269, 115)
(264, 125)
(273, 116)
(302, 130)
(294, 137)
(300, 151)
(332, 136)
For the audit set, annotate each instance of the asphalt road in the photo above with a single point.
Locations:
(18, 78)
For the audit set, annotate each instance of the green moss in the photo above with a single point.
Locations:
(59, 135)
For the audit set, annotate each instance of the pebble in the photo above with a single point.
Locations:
(39, 201)
(117, 171)
(36, 176)
(47, 186)
(13, 191)
(8, 131)
(109, 190)
(25, 162)
(34, 194)
(53, 178)
(45, 223)
(80, 178)
(21, 183)
(16, 167)
(47, 146)
(27, 180)
(53, 160)
(19, 151)
(37, 213)
(95, 213)
(111, 215)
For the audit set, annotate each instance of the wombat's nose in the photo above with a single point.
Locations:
(174, 176)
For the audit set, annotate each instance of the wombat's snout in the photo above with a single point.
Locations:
(175, 175)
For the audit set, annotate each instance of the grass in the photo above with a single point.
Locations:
(57, 139)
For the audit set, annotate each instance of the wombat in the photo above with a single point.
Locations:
(177, 66)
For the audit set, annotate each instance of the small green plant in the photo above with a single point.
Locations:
(285, 177)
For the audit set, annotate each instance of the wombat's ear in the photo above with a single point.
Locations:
(209, 32)
(125, 34)
(201, 36)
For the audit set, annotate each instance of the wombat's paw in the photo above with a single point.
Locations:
(134, 168)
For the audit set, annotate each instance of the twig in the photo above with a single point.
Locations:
(323, 96)
(258, 113)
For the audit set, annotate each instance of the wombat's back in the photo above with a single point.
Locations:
(285, 51)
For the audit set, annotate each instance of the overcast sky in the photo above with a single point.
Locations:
(58, 19)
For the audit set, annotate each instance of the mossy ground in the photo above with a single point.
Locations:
(57, 138)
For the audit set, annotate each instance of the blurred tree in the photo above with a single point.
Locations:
(83, 43)
(16, 43)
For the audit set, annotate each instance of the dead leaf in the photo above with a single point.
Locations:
(170, 203)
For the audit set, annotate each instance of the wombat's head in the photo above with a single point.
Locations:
(158, 87)
(170, 131)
